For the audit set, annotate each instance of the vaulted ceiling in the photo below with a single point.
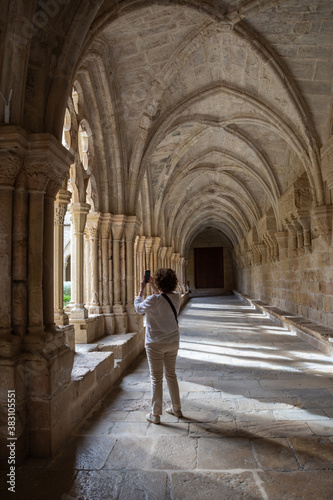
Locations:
(202, 114)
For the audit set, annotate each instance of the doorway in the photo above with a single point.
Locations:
(209, 267)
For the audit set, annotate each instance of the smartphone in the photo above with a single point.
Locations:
(147, 276)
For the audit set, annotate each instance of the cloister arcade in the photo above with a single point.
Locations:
(151, 128)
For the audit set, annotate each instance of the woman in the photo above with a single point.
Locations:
(162, 339)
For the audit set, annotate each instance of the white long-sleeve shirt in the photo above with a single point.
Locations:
(161, 325)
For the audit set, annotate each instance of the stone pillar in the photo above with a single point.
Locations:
(155, 247)
(140, 249)
(93, 276)
(86, 265)
(46, 165)
(172, 261)
(176, 267)
(162, 256)
(37, 181)
(131, 229)
(168, 254)
(10, 165)
(20, 258)
(123, 272)
(105, 231)
(118, 222)
(148, 247)
(62, 200)
(79, 213)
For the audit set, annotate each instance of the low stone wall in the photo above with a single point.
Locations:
(317, 335)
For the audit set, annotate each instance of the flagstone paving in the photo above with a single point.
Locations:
(257, 404)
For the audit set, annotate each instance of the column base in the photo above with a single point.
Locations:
(135, 321)
(89, 329)
(78, 313)
(109, 325)
(94, 309)
(60, 317)
(120, 319)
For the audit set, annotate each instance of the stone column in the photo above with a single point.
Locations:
(140, 249)
(176, 267)
(172, 261)
(105, 231)
(20, 257)
(93, 278)
(148, 247)
(181, 277)
(79, 213)
(155, 247)
(117, 227)
(123, 272)
(168, 254)
(37, 181)
(86, 265)
(10, 165)
(162, 256)
(62, 200)
(131, 230)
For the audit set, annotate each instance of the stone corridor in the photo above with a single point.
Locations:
(258, 408)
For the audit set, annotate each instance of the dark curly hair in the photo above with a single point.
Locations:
(165, 280)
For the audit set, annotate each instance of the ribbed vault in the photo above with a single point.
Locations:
(200, 112)
(200, 119)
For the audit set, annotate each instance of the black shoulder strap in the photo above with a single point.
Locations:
(171, 305)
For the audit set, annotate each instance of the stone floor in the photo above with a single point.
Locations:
(258, 408)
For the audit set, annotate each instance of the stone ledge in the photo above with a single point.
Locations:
(317, 335)
(95, 370)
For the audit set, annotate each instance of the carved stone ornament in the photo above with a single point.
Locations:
(322, 218)
(10, 166)
(59, 214)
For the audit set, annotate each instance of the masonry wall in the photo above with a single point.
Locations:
(301, 285)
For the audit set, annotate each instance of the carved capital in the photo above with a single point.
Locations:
(47, 163)
(131, 229)
(105, 226)
(156, 243)
(163, 251)
(10, 166)
(79, 213)
(169, 251)
(141, 244)
(92, 225)
(322, 222)
(148, 244)
(117, 226)
(13, 145)
(59, 214)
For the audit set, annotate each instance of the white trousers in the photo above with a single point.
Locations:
(162, 356)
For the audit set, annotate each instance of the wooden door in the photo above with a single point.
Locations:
(209, 267)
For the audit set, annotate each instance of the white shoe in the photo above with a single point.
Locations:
(177, 413)
(154, 419)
